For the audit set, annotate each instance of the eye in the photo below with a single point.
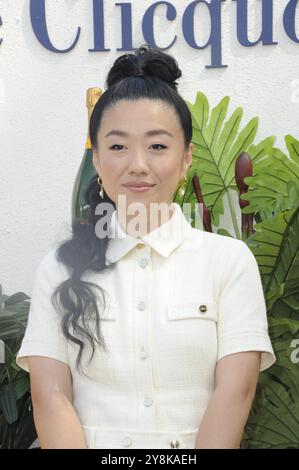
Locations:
(163, 146)
(118, 145)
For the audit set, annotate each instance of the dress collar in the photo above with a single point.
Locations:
(164, 239)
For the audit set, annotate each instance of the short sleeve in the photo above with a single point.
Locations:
(242, 314)
(43, 334)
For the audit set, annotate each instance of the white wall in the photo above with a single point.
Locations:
(43, 119)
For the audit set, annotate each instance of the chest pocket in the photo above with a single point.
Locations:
(201, 310)
(186, 352)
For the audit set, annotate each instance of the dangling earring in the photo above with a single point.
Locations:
(101, 192)
(182, 186)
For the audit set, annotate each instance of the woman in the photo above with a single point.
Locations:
(147, 335)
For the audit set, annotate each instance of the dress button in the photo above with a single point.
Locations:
(141, 305)
(203, 308)
(140, 245)
(143, 262)
(143, 354)
(174, 444)
(127, 441)
(147, 401)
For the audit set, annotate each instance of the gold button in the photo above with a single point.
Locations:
(174, 443)
(202, 308)
(140, 245)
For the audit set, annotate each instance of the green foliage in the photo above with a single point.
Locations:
(273, 198)
(17, 430)
(275, 187)
(217, 144)
(274, 420)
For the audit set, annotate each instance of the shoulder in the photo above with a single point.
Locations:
(222, 254)
(50, 266)
(219, 243)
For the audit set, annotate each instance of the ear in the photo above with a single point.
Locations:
(188, 158)
(96, 160)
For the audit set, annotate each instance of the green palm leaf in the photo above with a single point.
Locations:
(17, 428)
(217, 144)
(275, 244)
(274, 418)
(276, 425)
(275, 188)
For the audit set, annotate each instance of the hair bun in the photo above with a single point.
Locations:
(146, 62)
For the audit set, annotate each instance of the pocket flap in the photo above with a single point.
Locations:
(206, 310)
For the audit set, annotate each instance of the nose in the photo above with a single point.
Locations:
(138, 163)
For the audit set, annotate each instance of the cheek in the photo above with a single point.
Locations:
(168, 171)
(111, 169)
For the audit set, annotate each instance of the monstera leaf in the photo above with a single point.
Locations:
(17, 430)
(274, 418)
(276, 424)
(275, 188)
(217, 144)
(275, 244)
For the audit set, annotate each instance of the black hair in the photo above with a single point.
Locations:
(147, 74)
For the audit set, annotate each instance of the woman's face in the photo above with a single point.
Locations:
(127, 151)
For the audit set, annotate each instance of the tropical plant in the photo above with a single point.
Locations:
(17, 430)
(271, 199)
(275, 187)
(274, 421)
(216, 148)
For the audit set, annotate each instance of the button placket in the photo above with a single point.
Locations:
(127, 441)
(141, 305)
(143, 354)
(174, 444)
(143, 259)
(143, 325)
(143, 262)
(148, 401)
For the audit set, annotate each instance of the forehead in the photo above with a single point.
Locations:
(137, 117)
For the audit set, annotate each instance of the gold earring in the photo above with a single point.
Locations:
(182, 186)
(101, 192)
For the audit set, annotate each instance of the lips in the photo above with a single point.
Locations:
(138, 185)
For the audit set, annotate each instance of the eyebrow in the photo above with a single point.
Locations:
(147, 134)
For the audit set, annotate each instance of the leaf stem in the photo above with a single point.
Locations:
(233, 215)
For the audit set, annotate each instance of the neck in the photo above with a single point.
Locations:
(142, 222)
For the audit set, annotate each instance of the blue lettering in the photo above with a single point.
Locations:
(126, 26)
(215, 35)
(39, 26)
(289, 20)
(266, 36)
(148, 20)
(98, 27)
